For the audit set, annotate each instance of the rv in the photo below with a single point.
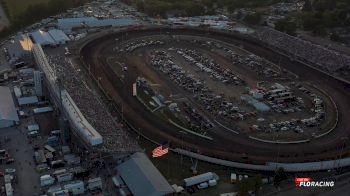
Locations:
(94, 184)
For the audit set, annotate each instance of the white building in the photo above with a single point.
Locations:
(50, 38)
(8, 113)
(59, 36)
(43, 38)
(38, 83)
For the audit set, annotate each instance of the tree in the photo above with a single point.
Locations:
(286, 26)
(307, 6)
(310, 21)
(322, 5)
(320, 30)
(37, 11)
(208, 4)
(194, 9)
(140, 5)
(257, 183)
(243, 187)
(156, 7)
(335, 37)
(253, 19)
(57, 6)
(280, 175)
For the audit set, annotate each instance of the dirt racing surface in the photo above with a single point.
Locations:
(107, 64)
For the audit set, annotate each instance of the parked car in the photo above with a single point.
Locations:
(10, 170)
(10, 160)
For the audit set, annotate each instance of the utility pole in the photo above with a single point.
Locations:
(98, 82)
(122, 113)
(182, 145)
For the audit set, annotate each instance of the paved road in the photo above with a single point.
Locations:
(226, 146)
(22, 152)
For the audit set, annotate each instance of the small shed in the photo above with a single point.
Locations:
(33, 127)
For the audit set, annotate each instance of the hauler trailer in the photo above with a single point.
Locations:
(94, 184)
(42, 110)
(200, 179)
(75, 188)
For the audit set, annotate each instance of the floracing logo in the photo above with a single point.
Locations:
(308, 182)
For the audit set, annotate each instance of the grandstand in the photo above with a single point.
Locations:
(326, 59)
(88, 117)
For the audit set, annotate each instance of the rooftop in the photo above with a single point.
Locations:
(142, 177)
(58, 36)
(22, 44)
(7, 106)
(42, 37)
(66, 24)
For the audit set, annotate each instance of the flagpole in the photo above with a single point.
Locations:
(169, 160)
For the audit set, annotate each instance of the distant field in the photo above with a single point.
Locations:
(18, 6)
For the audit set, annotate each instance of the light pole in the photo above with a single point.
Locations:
(182, 144)
(98, 82)
(122, 112)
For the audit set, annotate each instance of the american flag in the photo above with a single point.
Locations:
(160, 150)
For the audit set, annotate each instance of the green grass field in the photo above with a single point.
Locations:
(18, 6)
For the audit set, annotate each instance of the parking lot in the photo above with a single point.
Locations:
(25, 178)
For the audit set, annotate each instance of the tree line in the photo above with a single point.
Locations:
(319, 16)
(192, 8)
(36, 12)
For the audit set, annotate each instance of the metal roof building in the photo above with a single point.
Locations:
(20, 47)
(67, 24)
(52, 37)
(43, 38)
(8, 113)
(58, 36)
(142, 177)
(260, 106)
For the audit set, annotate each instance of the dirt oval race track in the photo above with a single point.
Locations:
(225, 145)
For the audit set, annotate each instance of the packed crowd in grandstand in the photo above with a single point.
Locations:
(326, 59)
(95, 112)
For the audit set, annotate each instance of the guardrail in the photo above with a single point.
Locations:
(223, 126)
(270, 166)
(336, 112)
(189, 131)
(279, 142)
